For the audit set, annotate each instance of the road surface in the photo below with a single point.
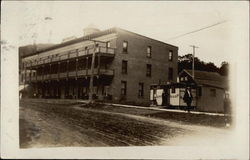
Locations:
(54, 125)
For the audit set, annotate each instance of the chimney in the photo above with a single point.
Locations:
(90, 30)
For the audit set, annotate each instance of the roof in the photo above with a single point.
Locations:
(84, 38)
(91, 36)
(213, 79)
(146, 37)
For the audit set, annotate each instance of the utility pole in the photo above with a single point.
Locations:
(193, 46)
(91, 81)
(92, 75)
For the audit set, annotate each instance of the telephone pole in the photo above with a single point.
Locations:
(193, 46)
(91, 81)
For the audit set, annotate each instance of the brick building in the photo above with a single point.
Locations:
(125, 66)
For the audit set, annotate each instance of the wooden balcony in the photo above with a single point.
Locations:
(73, 74)
(103, 51)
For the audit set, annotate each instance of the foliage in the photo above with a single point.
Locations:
(185, 62)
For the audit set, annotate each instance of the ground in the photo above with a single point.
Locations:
(59, 125)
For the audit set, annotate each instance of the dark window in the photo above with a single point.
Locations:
(125, 46)
(173, 90)
(108, 44)
(141, 90)
(124, 67)
(148, 72)
(97, 49)
(213, 92)
(71, 66)
(170, 73)
(200, 91)
(123, 88)
(149, 51)
(170, 55)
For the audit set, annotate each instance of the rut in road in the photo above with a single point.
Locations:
(111, 129)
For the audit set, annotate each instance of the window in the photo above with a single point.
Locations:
(173, 90)
(123, 88)
(170, 73)
(124, 67)
(200, 91)
(97, 49)
(141, 90)
(125, 46)
(148, 72)
(149, 51)
(108, 44)
(170, 55)
(213, 92)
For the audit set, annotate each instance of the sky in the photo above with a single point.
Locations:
(167, 21)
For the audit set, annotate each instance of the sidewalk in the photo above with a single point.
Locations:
(157, 108)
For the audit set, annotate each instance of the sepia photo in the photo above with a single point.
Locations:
(110, 79)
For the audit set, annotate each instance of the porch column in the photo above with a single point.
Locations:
(58, 70)
(76, 68)
(99, 64)
(43, 72)
(25, 72)
(87, 63)
(36, 73)
(50, 70)
(67, 68)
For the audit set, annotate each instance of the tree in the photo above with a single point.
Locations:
(185, 62)
(224, 69)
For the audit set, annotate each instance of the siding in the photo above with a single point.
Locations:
(211, 104)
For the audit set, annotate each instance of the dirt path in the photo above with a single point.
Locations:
(46, 125)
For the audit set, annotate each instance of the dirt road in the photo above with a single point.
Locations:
(54, 125)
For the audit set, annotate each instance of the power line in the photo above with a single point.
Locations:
(197, 30)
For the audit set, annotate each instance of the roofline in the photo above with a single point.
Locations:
(91, 36)
(184, 70)
(212, 86)
(147, 37)
(81, 39)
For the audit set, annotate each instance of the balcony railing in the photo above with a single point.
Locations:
(67, 55)
(71, 74)
(54, 76)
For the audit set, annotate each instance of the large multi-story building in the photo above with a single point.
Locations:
(124, 66)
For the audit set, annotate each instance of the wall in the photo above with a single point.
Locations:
(211, 104)
(137, 60)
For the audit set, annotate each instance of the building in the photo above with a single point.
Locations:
(209, 90)
(125, 64)
(212, 89)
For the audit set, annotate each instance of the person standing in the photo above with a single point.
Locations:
(188, 98)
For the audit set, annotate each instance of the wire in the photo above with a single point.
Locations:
(197, 30)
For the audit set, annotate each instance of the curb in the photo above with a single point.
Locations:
(168, 110)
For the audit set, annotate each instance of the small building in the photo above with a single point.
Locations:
(209, 91)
